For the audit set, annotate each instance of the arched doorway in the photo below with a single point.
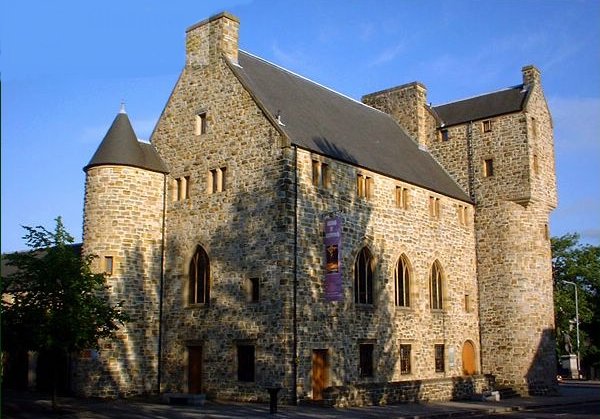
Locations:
(468, 358)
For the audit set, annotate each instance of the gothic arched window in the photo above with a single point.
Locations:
(363, 277)
(199, 281)
(435, 286)
(402, 282)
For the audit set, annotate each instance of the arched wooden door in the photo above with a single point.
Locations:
(468, 358)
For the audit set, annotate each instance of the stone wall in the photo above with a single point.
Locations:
(388, 232)
(244, 228)
(513, 246)
(123, 220)
(379, 394)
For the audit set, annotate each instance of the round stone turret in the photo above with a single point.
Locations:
(123, 227)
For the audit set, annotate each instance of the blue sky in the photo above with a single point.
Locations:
(66, 66)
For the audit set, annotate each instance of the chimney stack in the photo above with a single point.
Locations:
(207, 40)
(407, 104)
(531, 75)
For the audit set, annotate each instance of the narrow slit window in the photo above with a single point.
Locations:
(487, 125)
(325, 176)
(316, 172)
(187, 187)
(253, 290)
(463, 214)
(488, 168)
(201, 124)
(439, 358)
(321, 175)
(401, 197)
(224, 179)
(434, 207)
(444, 135)
(405, 367)
(108, 265)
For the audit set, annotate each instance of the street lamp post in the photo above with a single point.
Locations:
(576, 321)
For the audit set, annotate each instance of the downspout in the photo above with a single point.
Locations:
(471, 170)
(162, 279)
(295, 288)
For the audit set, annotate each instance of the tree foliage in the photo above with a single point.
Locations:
(578, 264)
(52, 301)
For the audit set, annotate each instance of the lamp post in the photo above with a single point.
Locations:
(576, 321)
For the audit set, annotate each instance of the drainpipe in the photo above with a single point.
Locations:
(471, 170)
(295, 288)
(162, 279)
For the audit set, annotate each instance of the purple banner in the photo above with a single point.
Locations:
(333, 256)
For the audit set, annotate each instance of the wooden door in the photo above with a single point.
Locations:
(194, 369)
(319, 373)
(468, 358)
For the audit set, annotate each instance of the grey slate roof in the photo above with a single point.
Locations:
(484, 106)
(120, 146)
(321, 120)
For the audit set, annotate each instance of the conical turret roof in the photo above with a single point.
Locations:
(120, 146)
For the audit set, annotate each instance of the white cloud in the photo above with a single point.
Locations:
(388, 54)
(294, 59)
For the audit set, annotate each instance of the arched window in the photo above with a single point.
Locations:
(199, 284)
(435, 286)
(402, 282)
(363, 277)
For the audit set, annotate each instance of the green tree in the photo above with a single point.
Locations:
(578, 264)
(52, 302)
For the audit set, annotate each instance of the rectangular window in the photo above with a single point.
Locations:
(321, 175)
(201, 124)
(217, 180)
(187, 187)
(325, 176)
(223, 179)
(536, 166)
(467, 303)
(488, 167)
(434, 207)
(253, 290)
(401, 197)
(366, 359)
(316, 172)
(360, 185)
(439, 358)
(534, 127)
(463, 214)
(364, 186)
(487, 125)
(108, 265)
(405, 359)
(245, 359)
(546, 232)
(444, 135)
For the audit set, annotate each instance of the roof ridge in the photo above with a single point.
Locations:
(309, 80)
(481, 95)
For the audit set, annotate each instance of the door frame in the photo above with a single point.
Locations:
(324, 358)
(195, 347)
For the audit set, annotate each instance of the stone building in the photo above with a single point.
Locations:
(275, 233)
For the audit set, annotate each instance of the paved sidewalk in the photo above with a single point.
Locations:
(32, 405)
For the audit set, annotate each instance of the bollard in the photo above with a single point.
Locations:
(273, 399)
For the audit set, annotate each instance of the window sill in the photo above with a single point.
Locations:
(200, 306)
(364, 306)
